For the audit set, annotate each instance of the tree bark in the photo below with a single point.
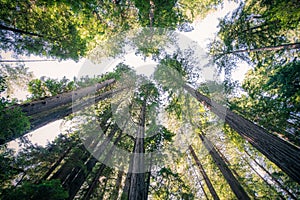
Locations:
(95, 180)
(80, 177)
(272, 177)
(148, 179)
(99, 150)
(285, 155)
(266, 182)
(127, 181)
(76, 169)
(42, 119)
(66, 169)
(115, 193)
(57, 163)
(230, 178)
(137, 182)
(48, 103)
(204, 175)
(47, 114)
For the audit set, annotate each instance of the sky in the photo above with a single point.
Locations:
(203, 31)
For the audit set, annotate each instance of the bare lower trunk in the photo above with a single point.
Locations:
(115, 193)
(272, 177)
(127, 181)
(285, 155)
(137, 182)
(148, 179)
(69, 166)
(95, 180)
(48, 103)
(57, 163)
(266, 182)
(204, 175)
(230, 178)
(41, 119)
(80, 177)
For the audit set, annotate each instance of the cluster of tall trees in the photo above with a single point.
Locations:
(160, 137)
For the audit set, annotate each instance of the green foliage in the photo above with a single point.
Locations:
(67, 29)
(3, 85)
(165, 14)
(43, 87)
(70, 30)
(171, 186)
(17, 76)
(41, 28)
(8, 168)
(36, 89)
(13, 120)
(195, 9)
(253, 25)
(272, 99)
(47, 190)
(161, 137)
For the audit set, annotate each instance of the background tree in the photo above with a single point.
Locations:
(271, 99)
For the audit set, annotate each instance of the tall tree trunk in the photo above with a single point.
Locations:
(196, 176)
(99, 150)
(266, 182)
(127, 181)
(45, 104)
(230, 178)
(275, 180)
(148, 179)
(204, 175)
(80, 177)
(202, 188)
(95, 180)
(93, 185)
(41, 119)
(227, 162)
(66, 169)
(57, 163)
(115, 192)
(137, 181)
(46, 113)
(285, 155)
(76, 169)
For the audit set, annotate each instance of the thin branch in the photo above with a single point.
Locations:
(6, 61)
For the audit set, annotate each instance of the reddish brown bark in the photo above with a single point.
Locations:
(93, 185)
(285, 155)
(50, 109)
(204, 175)
(137, 181)
(229, 177)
